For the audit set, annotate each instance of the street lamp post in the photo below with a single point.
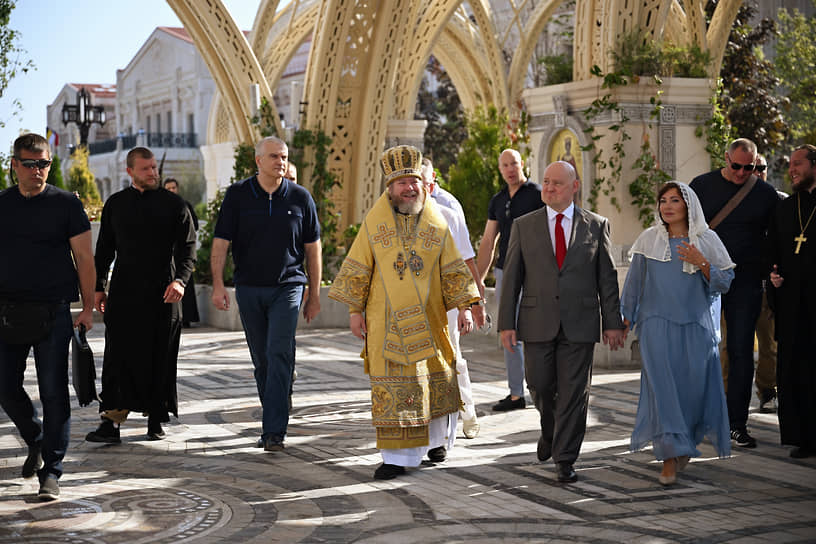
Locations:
(83, 114)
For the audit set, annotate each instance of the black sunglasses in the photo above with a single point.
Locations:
(746, 167)
(36, 163)
(760, 167)
(507, 209)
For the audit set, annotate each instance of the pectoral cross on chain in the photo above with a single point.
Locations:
(799, 241)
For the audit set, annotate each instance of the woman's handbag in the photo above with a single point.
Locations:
(82, 368)
(26, 322)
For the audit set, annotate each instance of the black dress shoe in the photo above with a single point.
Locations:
(543, 451)
(107, 433)
(507, 404)
(33, 462)
(437, 455)
(566, 473)
(273, 443)
(801, 453)
(388, 472)
(155, 431)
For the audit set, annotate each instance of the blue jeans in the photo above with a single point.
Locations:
(269, 316)
(51, 362)
(741, 305)
(514, 362)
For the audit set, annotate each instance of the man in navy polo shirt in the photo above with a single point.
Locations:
(273, 226)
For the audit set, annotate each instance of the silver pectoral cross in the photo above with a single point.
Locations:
(799, 241)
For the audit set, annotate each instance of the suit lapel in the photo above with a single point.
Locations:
(580, 228)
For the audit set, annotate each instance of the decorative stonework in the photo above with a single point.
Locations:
(366, 60)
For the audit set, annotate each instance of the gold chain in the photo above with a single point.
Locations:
(799, 209)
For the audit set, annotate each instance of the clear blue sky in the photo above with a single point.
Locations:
(83, 41)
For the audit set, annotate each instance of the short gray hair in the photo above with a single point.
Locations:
(275, 139)
(745, 144)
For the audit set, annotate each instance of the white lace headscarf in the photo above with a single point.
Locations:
(653, 243)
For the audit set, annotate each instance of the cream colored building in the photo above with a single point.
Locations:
(161, 100)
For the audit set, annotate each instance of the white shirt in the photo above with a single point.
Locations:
(566, 224)
(444, 198)
(458, 229)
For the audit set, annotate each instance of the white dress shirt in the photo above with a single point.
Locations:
(566, 224)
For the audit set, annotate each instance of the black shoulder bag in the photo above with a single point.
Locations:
(26, 322)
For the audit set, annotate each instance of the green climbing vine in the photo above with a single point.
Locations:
(614, 163)
(717, 131)
(323, 183)
(643, 189)
(637, 56)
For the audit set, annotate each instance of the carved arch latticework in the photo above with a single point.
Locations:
(529, 37)
(367, 58)
(494, 64)
(431, 22)
(350, 79)
(231, 61)
(452, 54)
(600, 23)
(469, 63)
(279, 52)
(262, 28)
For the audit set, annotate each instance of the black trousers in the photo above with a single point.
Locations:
(558, 375)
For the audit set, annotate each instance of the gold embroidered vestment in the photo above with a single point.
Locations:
(404, 272)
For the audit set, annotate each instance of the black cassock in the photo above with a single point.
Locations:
(189, 307)
(152, 239)
(794, 305)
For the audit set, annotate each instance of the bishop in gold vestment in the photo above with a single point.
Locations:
(401, 276)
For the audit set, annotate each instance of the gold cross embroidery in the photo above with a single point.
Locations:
(385, 235)
(430, 238)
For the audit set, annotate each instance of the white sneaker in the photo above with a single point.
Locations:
(471, 427)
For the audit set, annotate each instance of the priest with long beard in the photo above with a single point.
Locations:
(401, 276)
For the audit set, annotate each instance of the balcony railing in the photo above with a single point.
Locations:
(171, 139)
(103, 146)
(129, 141)
(155, 140)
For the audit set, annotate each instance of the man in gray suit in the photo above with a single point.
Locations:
(560, 256)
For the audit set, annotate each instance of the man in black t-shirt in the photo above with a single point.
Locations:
(516, 199)
(742, 232)
(43, 228)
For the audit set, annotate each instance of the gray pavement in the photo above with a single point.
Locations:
(208, 483)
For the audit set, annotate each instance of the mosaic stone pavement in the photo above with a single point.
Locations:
(207, 482)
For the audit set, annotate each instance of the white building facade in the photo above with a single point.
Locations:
(161, 100)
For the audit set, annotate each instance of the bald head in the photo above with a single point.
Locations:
(511, 167)
(559, 186)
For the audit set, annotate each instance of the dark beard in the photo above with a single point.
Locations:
(806, 185)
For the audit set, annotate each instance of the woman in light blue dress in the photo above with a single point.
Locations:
(679, 267)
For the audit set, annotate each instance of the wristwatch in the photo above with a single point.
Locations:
(181, 282)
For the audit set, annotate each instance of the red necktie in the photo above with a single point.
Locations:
(560, 243)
